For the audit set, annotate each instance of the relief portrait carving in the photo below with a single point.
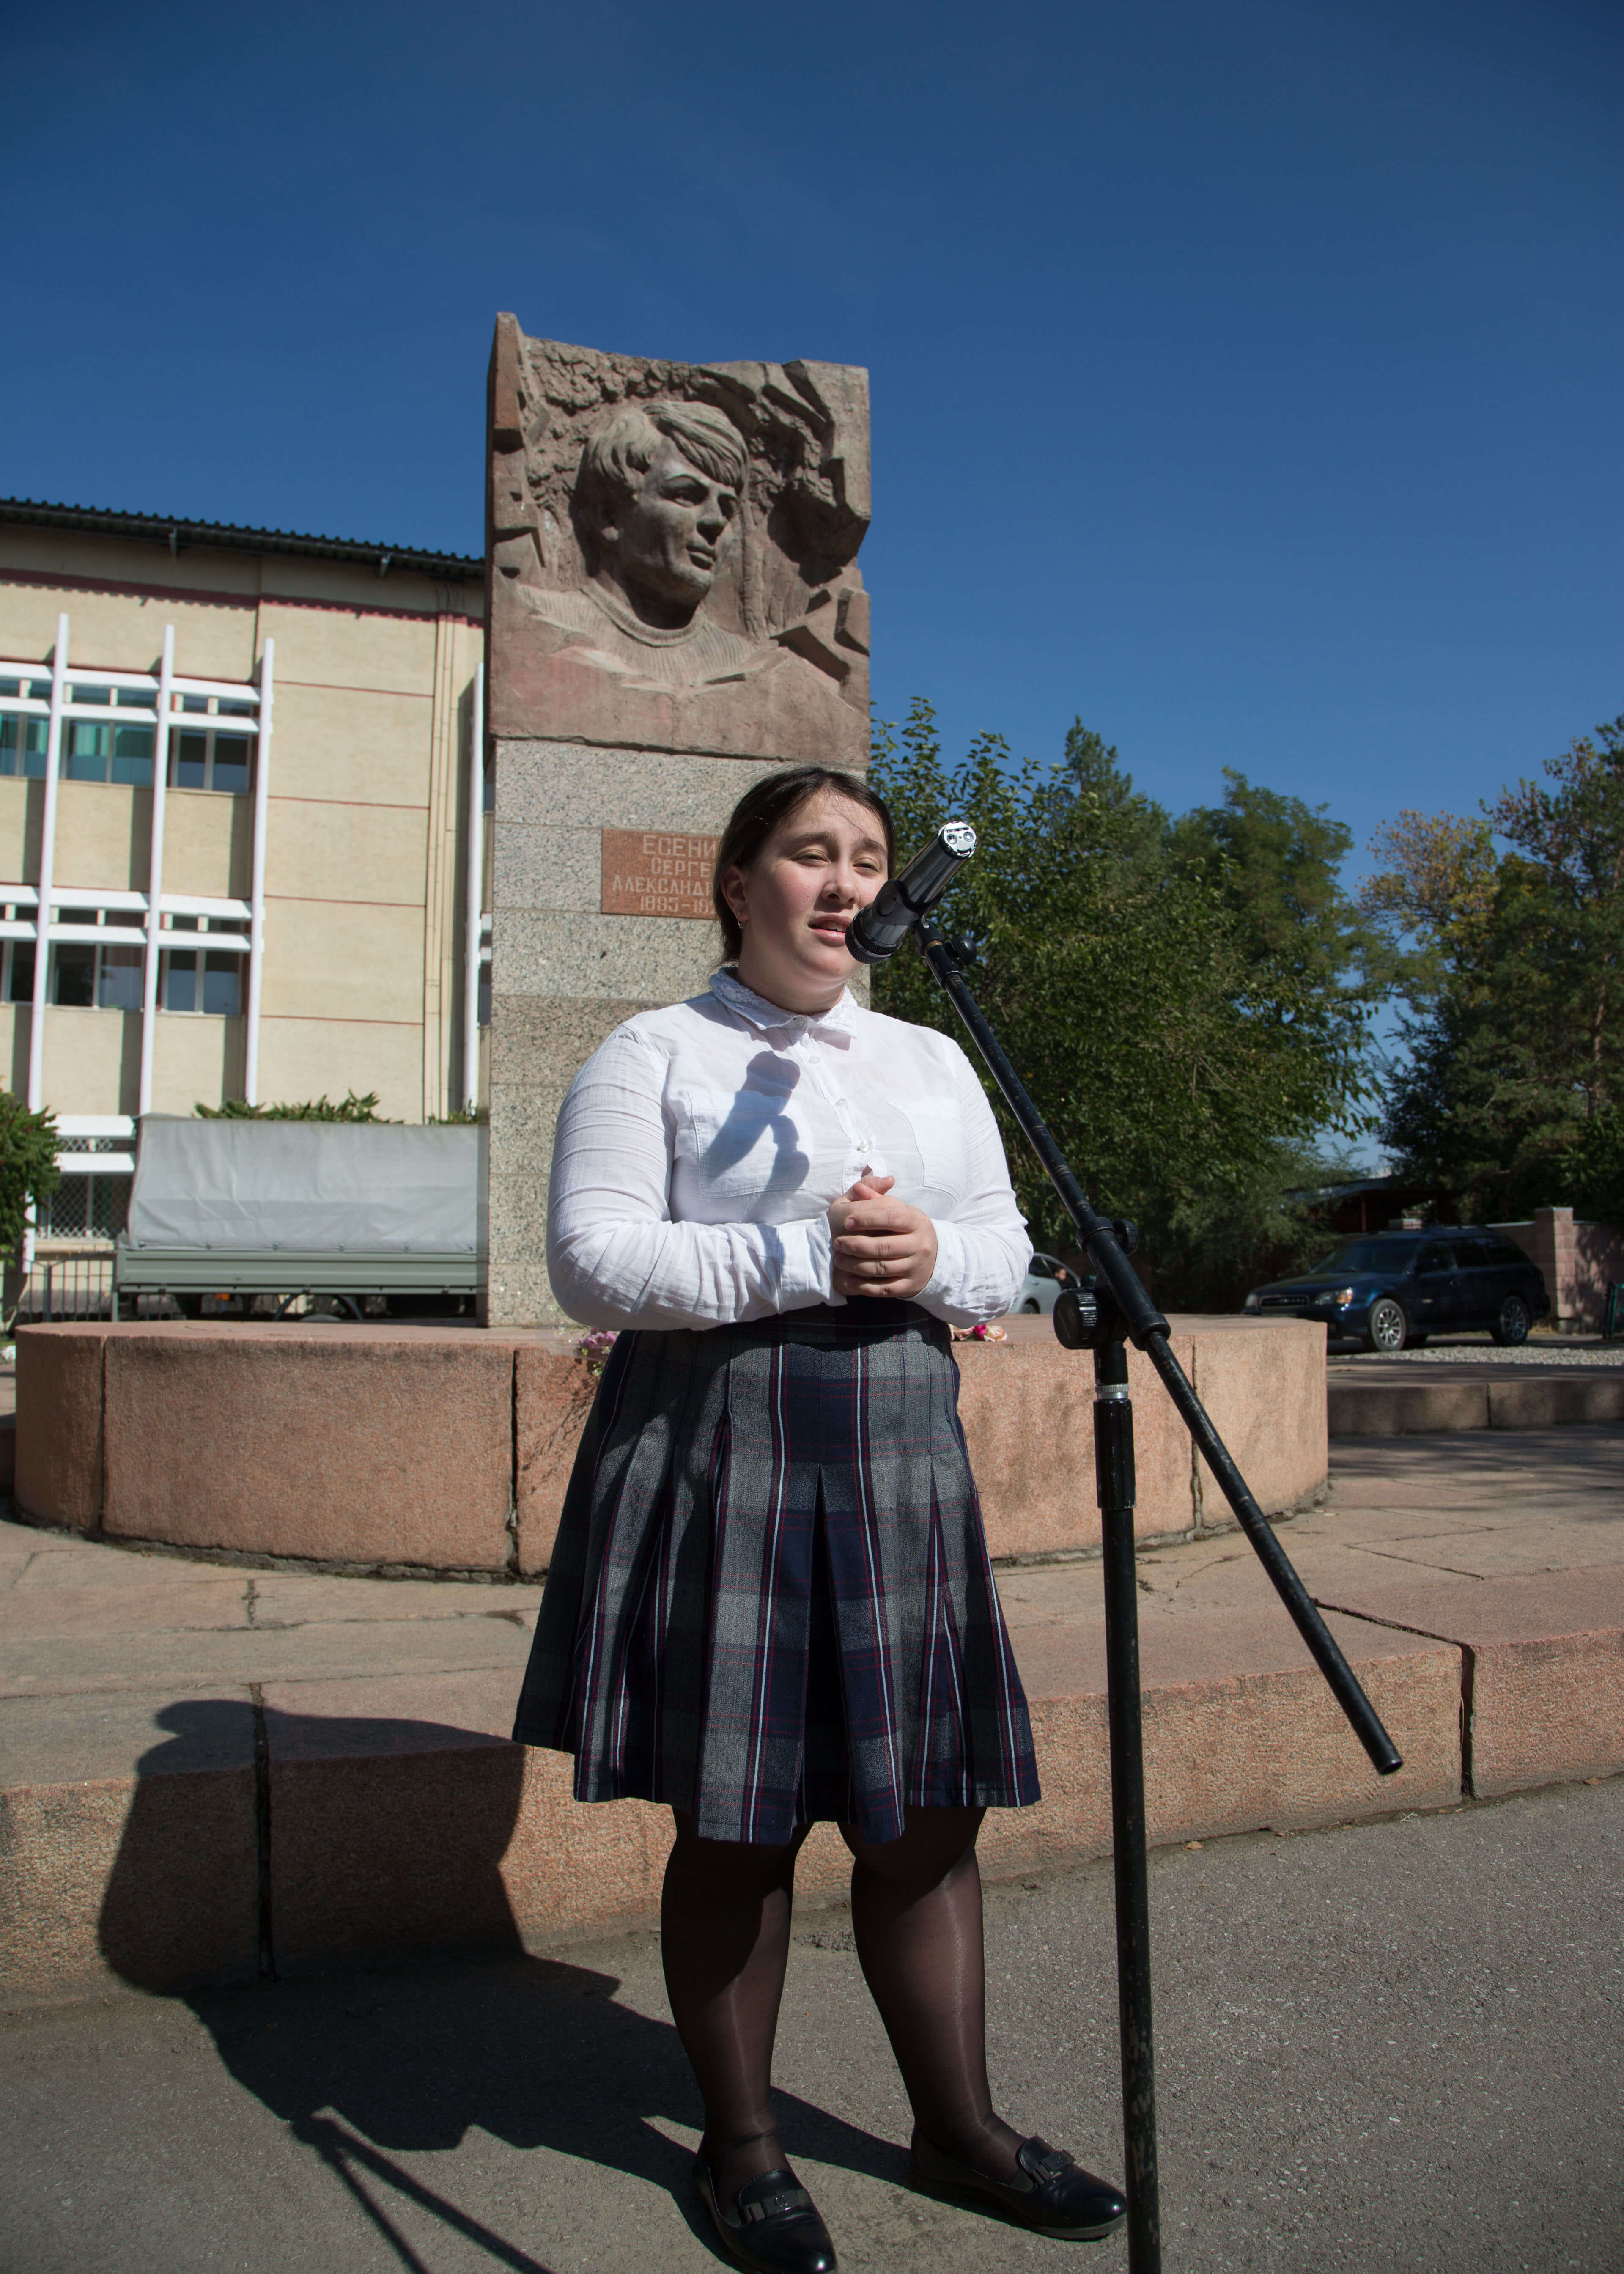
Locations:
(672, 553)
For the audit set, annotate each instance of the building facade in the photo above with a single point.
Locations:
(243, 836)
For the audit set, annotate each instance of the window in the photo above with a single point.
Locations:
(190, 979)
(484, 996)
(211, 757)
(17, 971)
(22, 743)
(1375, 1255)
(92, 752)
(87, 976)
(22, 735)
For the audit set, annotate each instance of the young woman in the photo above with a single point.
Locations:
(770, 1601)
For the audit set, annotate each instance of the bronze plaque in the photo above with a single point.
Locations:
(657, 873)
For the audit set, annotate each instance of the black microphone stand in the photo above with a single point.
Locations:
(1105, 1319)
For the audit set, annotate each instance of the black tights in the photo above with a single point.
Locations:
(916, 1916)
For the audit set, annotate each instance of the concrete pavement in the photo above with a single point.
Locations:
(1393, 2048)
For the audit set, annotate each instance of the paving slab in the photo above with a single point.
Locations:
(64, 1665)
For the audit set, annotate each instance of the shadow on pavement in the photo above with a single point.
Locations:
(365, 2062)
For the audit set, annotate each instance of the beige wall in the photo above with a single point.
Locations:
(365, 841)
(196, 1061)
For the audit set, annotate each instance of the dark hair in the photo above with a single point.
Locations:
(777, 798)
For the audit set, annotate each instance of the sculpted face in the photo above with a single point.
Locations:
(663, 547)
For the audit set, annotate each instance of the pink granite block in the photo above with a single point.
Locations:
(393, 1802)
(1545, 1399)
(59, 1424)
(1027, 1410)
(1240, 1732)
(1545, 1669)
(1265, 1388)
(348, 1448)
(552, 1392)
(404, 1816)
(128, 1847)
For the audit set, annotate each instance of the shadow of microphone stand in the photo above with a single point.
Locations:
(1104, 1319)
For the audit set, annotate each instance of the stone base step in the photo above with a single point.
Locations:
(157, 1838)
(1376, 1400)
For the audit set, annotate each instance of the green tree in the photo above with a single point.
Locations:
(29, 1171)
(1183, 1073)
(1512, 971)
(1276, 863)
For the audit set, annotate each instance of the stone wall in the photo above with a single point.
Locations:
(1579, 1262)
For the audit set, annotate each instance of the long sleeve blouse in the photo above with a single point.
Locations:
(699, 1149)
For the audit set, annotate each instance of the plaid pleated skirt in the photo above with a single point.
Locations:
(770, 1601)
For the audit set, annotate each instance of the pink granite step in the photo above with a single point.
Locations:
(202, 1770)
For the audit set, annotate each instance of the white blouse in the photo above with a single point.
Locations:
(699, 1148)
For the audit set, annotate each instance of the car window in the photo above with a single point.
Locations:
(1506, 1251)
(1474, 1254)
(1039, 1268)
(1375, 1255)
(1436, 1257)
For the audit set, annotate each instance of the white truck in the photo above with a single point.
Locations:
(287, 1210)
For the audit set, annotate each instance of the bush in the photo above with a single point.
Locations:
(28, 1170)
(319, 1109)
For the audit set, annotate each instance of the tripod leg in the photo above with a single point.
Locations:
(1113, 1442)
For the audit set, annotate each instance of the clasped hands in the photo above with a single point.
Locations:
(880, 1246)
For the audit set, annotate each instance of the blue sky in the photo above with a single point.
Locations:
(1244, 375)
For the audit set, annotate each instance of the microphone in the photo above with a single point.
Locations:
(879, 930)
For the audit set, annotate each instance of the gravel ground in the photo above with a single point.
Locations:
(1577, 1350)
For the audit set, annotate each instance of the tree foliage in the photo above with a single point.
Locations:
(1184, 1035)
(29, 1171)
(1513, 971)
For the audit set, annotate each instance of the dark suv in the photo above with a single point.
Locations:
(1394, 1289)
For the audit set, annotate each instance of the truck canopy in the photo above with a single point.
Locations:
(341, 1188)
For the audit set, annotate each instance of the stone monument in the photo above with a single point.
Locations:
(673, 609)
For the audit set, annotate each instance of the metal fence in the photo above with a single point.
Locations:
(63, 1287)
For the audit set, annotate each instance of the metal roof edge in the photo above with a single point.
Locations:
(162, 529)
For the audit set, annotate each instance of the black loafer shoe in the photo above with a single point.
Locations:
(1049, 2192)
(773, 2227)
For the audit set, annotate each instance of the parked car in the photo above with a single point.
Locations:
(1394, 1289)
(1045, 1276)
